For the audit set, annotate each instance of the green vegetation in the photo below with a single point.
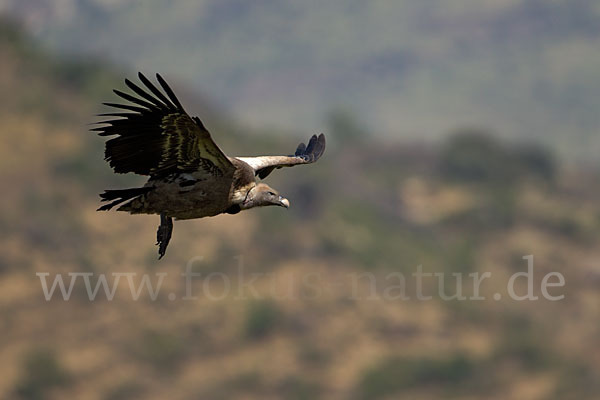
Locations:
(163, 350)
(396, 374)
(262, 318)
(475, 156)
(295, 388)
(41, 372)
(124, 391)
(344, 128)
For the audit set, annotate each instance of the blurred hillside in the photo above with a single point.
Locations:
(472, 204)
(527, 69)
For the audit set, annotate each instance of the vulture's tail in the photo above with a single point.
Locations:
(120, 196)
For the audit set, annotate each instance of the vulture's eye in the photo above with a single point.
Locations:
(272, 194)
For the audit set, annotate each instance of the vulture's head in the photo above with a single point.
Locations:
(263, 195)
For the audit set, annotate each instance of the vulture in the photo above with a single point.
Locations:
(189, 175)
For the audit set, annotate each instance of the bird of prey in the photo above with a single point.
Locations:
(189, 176)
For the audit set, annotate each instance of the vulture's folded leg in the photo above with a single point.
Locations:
(163, 234)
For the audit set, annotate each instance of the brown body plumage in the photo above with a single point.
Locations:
(190, 177)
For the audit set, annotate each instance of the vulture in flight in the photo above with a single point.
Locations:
(189, 176)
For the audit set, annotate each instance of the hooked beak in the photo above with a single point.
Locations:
(283, 202)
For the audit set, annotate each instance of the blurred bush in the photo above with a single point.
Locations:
(41, 372)
(163, 350)
(344, 127)
(473, 155)
(262, 317)
(124, 391)
(399, 373)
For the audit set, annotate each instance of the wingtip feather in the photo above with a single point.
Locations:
(169, 91)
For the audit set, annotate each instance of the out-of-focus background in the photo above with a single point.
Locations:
(462, 136)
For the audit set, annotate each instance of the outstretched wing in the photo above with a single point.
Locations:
(305, 154)
(157, 137)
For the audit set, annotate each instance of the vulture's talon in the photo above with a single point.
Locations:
(163, 234)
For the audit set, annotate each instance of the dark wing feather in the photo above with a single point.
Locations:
(305, 154)
(154, 90)
(140, 92)
(169, 92)
(157, 137)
